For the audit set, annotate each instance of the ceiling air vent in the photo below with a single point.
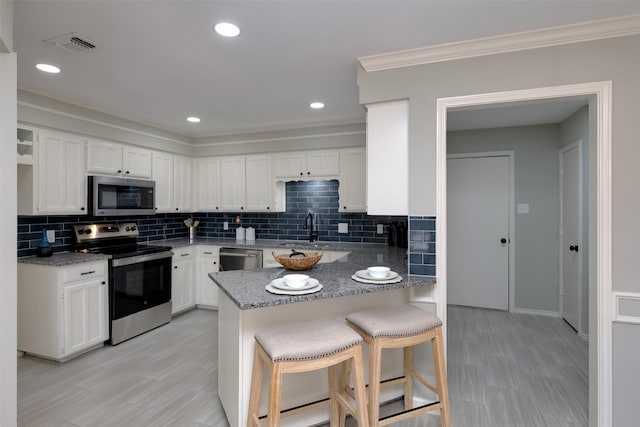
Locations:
(73, 42)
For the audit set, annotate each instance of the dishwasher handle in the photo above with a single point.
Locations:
(244, 255)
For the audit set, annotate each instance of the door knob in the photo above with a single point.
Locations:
(573, 248)
(503, 240)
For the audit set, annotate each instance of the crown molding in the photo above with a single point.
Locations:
(505, 43)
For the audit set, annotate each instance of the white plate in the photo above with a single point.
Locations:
(277, 291)
(364, 274)
(281, 284)
(376, 281)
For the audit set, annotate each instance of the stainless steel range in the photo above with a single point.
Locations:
(139, 277)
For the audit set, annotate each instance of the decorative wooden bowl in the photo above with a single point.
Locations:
(298, 263)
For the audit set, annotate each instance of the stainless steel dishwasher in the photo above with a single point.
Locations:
(240, 259)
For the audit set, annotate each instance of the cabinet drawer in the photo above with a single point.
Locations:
(84, 271)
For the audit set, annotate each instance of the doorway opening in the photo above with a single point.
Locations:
(599, 146)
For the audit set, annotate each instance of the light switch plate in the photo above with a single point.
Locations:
(343, 227)
(51, 236)
(225, 225)
(380, 228)
(523, 208)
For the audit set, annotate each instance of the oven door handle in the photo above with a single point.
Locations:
(120, 262)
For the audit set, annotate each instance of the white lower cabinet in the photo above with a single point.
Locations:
(208, 261)
(182, 285)
(62, 311)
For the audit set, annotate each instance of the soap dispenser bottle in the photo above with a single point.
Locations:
(44, 248)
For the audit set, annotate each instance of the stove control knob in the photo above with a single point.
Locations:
(128, 229)
(134, 228)
(81, 231)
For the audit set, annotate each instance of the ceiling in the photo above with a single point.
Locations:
(158, 62)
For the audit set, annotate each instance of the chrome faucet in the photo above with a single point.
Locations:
(308, 223)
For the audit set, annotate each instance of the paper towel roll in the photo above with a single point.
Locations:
(251, 233)
(239, 233)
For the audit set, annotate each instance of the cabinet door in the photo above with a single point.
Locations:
(136, 162)
(163, 176)
(62, 181)
(259, 184)
(85, 314)
(207, 185)
(352, 190)
(104, 158)
(323, 163)
(387, 144)
(182, 295)
(208, 262)
(182, 184)
(232, 184)
(290, 165)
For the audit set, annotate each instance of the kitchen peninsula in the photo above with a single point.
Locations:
(245, 307)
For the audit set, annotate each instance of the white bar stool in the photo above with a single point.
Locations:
(304, 347)
(402, 327)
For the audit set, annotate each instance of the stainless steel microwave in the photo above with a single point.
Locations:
(113, 196)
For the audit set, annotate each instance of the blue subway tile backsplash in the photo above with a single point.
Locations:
(318, 197)
(422, 245)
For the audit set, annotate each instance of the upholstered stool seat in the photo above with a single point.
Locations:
(402, 327)
(303, 347)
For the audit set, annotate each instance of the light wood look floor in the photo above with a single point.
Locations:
(504, 370)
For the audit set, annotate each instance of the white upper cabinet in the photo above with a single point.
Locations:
(172, 175)
(62, 179)
(232, 184)
(104, 158)
(353, 181)
(315, 164)
(110, 158)
(207, 184)
(182, 184)
(259, 184)
(163, 176)
(388, 158)
(136, 162)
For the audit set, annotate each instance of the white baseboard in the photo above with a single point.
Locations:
(536, 312)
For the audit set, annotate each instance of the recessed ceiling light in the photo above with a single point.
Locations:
(193, 119)
(227, 29)
(48, 68)
(316, 105)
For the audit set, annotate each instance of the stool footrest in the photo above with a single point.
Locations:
(409, 413)
(294, 410)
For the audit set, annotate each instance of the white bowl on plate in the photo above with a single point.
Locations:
(378, 272)
(295, 281)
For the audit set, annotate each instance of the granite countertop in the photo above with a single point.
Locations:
(61, 259)
(246, 288)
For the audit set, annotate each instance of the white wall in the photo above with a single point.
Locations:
(536, 183)
(313, 138)
(8, 299)
(42, 111)
(616, 60)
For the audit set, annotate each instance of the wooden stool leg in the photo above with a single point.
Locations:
(275, 395)
(343, 388)
(408, 378)
(375, 356)
(334, 405)
(360, 388)
(256, 388)
(441, 378)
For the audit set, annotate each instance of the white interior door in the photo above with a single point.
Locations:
(478, 191)
(570, 234)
